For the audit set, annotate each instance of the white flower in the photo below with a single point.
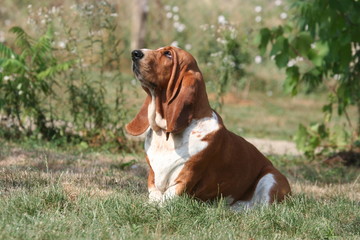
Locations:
(222, 41)
(175, 9)
(113, 15)
(216, 54)
(258, 59)
(188, 46)
(29, 6)
(7, 78)
(20, 92)
(337, 76)
(204, 27)
(258, 9)
(258, 19)
(299, 59)
(43, 21)
(179, 26)
(169, 15)
(62, 44)
(54, 10)
(176, 17)
(278, 2)
(283, 15)
(291, 63)
(313, 45)
(175, 44)
(222, 19)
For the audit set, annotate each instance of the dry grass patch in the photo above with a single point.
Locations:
(350, 191)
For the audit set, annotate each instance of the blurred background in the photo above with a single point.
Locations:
(66, 69)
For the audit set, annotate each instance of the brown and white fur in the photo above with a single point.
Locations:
(188, 148)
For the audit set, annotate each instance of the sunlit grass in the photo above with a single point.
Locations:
(48, 194)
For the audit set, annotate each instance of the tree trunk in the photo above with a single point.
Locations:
(358, 123)
(139, 15)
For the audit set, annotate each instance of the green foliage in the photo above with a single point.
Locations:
(320, 46)
(27, 79)
(64, 84)
(225, 57)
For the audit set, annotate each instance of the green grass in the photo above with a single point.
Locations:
(51, 194)
(48, 213)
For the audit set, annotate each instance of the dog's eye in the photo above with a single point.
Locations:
(168, 54)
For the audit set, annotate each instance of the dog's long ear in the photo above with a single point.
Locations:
(141, 122)
(180, 108)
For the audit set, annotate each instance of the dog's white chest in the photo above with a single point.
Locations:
(167, 158)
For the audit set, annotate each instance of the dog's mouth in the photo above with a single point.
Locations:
(136, 69)
(140, 77)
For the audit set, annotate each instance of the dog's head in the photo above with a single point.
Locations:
(172, 76)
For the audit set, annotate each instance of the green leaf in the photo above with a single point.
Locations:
(23, 40)
(339, 137)
(53, 70)
(14, 66)
(282, 60)
(279, 46)
(327, 109)
(265, 36)
(312, 79)
(292, 80)
(302, 43)
(318, 54)
(305, 142)
(6, 52)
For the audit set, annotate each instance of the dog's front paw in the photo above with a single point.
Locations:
(155, 196)
(169, 194)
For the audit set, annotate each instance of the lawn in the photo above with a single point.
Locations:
(47, 193)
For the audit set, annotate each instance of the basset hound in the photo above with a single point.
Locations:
(188, 148)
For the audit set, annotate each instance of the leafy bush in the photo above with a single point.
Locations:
(66, 82)
(225, 57)
(27, 80)
(320, 46)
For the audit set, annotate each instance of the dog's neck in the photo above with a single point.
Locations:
(156, 117)
(158, 105)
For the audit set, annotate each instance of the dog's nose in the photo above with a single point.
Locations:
(137, 55)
